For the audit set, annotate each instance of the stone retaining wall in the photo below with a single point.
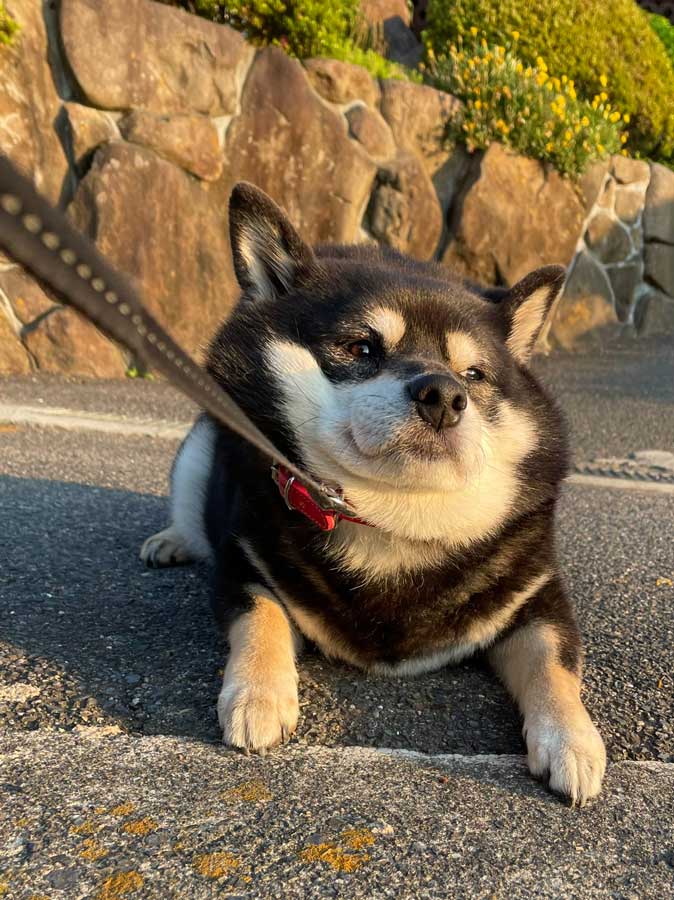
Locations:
(139, 118)
(621, 280)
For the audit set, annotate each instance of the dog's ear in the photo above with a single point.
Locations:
(269, 255)
(525, 307)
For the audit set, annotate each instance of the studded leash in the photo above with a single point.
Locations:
(42, 240)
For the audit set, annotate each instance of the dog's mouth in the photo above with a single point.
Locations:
(397, 462)
(412, 441)
(427, 444)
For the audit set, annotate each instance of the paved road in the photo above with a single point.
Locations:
(90, 640)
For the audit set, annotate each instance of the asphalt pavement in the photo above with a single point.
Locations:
(109, 674)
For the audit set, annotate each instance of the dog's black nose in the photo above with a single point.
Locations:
(439, 399)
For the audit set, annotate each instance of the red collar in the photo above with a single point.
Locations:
(297, 497)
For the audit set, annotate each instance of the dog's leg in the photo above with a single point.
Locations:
(562, 743)
(185, 538)
(258, 705)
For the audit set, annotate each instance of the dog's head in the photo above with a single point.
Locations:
(390, 374)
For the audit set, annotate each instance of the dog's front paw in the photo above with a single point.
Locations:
(166, 548)
(257, 716)
(570, 754)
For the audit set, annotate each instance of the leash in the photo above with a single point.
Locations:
(42, 240)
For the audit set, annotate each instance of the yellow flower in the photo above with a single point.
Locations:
(600, 148)
(626, 118)
(500, 50)
(473, 31)
(585, 121)
(549, 146)
(515, 35)
(549, 86)
(603, 80)
(478, 104)
(540, 62)
(624, 152)
(568, 134)
(623, 138)
(595, 103)
(507, 92)
(577, 127)
(564, 79)
(561, 99)
(483, 43)
(528, 72)
(603, 96)
(615, 116)
(519, 68)
(541, 78)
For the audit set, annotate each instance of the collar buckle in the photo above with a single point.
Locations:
(324, 509)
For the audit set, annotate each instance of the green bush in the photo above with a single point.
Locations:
(665, 31)
(376, 64)
(303, 28)
(586, 39)
(8, 27)
(524, 107)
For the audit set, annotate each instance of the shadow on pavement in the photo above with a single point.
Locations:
(107, 640)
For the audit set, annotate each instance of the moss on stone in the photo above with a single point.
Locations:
(8, 27)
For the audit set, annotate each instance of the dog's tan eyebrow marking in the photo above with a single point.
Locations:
(389, 323)
(462, 350)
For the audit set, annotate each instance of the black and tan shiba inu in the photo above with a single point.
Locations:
(410, 390)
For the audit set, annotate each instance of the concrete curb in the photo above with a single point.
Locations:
(80, 420)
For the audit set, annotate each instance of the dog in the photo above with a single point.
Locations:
(409, 389)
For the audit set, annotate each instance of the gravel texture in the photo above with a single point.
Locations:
(172, 819)
(615, 403)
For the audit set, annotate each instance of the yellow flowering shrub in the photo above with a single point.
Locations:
(587, 39)
(523, 106)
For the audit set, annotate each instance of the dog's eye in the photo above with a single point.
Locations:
(474, 374)
(361, 349)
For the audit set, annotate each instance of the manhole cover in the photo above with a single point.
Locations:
(644, 465)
